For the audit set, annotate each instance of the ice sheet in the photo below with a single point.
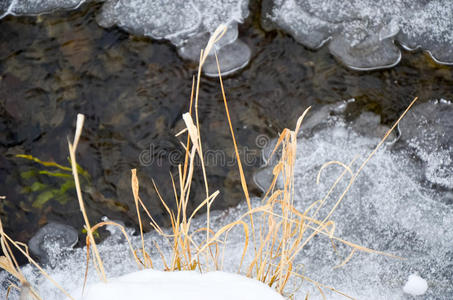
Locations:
(364, 32)
(35, 7)
(187, 24)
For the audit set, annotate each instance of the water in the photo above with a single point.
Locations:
(133, 91)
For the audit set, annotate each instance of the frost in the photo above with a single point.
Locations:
(233, 54)
(363, 31)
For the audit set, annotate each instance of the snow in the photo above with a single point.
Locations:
(189, 285)
(363, 32)
(415, 285)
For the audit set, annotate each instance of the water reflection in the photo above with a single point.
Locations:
(133, 91)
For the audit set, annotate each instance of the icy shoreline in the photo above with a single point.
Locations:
(391, 208)
(364, 35)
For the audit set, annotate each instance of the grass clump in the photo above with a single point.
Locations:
(275, 232)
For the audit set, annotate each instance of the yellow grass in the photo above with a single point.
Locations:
(278, 230)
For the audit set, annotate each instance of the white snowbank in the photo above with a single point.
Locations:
(181, 285)
(415, 285)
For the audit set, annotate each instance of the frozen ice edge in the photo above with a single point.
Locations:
(191, 30)
(10, 10)
(372, 68)
(370, 16)
(425, 245)
(420, 48)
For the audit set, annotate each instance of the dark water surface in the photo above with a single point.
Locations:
(133, 91)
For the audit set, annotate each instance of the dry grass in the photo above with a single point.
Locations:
(278, 231)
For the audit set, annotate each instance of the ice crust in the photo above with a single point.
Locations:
(389, 208)
(35, 7)
(363, 32)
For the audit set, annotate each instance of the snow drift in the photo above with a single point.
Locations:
(189, 285)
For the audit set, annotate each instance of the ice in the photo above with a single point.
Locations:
(370, 53)
(51, 240)
(430, 29)
(364, 32)
(189, 285)
(233, 54)
(415, 285)
(173, 20)
(4, 7)
(427, 137)
(187, 24)
(35, 7)
(387, 209)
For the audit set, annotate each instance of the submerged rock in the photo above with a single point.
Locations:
(51, 240)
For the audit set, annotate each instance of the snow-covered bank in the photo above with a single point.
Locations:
(188, 285)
